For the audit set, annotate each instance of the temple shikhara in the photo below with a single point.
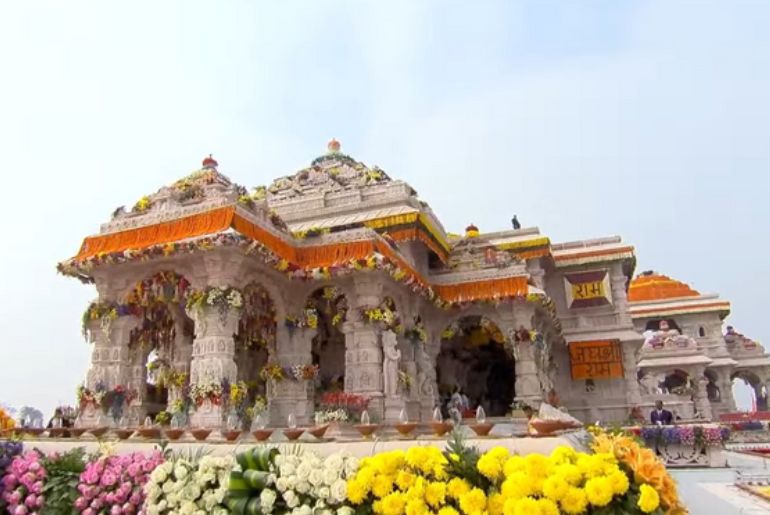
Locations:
(339, 278)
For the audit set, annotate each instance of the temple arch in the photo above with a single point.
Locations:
(160, 345)
(330, 306)
(743, 378)
(475, 359)
(255, 341)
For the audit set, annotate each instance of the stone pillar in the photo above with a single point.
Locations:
(629, 349)
(110, 360)
(527, 381)
(427, 387)
(181, 356)
(363, 350)
(293, 347)
(702, 403)
(725, 385)
(212, 357)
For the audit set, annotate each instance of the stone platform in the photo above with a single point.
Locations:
(359, 447)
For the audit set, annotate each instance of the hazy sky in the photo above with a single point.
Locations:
(643, 119)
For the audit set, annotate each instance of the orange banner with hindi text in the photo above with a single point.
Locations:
(596, 360)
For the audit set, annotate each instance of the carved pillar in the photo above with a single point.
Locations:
(110, 359)
(527, 381)
(212, 357)
(288, 396)
(181, 356)
(702, 403)
(363, 352)
(725, 385)
(629, 349)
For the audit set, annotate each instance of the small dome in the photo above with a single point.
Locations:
(652, 286)
(210, 162)
(333, 146)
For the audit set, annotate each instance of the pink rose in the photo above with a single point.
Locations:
(97, 503)
(129, 508)
(109, 479)
(148, 466)
(134, 469)
(136, 498)
(89, 511)
(9, 481)
(20, 510)
(81, 503)
(37, 487)
(31, 500)
(15, 497)
(34, 466)
(116, 510)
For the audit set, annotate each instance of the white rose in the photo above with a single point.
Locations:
(267, 500)
(291, 482)
(162, 505)
(330, 476)
(168, 487)
(180, 471)
(324, 492)
(291, 499)
(345, 510)
(334, 462)
(302, 487)
(351, 466)
(324, 512)
(192, 492)
(316, 477)
(339, 491)
(281, 484)
(305, 510)
(304, 470)
(287, 469)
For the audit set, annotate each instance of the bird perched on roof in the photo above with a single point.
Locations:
(515, 222)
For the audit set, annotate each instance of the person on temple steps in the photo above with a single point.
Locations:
(660, 416)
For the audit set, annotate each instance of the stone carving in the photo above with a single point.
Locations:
(390, 362)
(426, 373)
(649, 384)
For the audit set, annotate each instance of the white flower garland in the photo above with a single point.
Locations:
(182, 487)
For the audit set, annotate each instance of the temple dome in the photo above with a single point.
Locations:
(654, 286)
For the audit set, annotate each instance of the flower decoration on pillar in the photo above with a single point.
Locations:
(223, 299)
(417, 333)
(207, 391)
(384, 315)
(308, 320)
(115, 400)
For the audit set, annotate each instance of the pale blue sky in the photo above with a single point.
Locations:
(644, 119)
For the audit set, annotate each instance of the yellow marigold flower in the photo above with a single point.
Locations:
(473, 502)
(495, 503)
(599, 491)
(555, 487)
(382, 485)
(416, 507)
(435, 493)
(458, 487)
(490, 467)
(574, 501)
(516, 486)
(448, 510)
(563, 454)
(619, 482)
(499, 453)
(570, 473)
(417, 490)
(590, 466)
(548, 507)
(357, 491)
(648, 499)
(393, 504)
(526, 506)
(537, 465)
(513, 464)
(439, 472)
(377, 506)
(366, 475)
(404, 479)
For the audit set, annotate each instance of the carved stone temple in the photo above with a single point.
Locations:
(340, 278)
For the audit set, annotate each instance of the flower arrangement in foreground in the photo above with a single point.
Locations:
(700, 436)
(299, 483)
(619, 478)
(186, 485)
(114, 484)
(23, 484)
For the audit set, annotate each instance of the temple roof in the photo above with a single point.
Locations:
(651, 295)
(653, 286)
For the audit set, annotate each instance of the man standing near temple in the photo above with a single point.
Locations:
(660, 416)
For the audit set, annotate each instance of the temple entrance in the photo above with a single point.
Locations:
(254, 343)
(162, 337)
(476, 368)
(330, 307)
(748, 387)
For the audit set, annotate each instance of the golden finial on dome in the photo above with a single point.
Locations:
(333, 146)
(471, 231)
(210, 162)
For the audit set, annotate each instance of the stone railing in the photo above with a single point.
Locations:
(689, 445)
